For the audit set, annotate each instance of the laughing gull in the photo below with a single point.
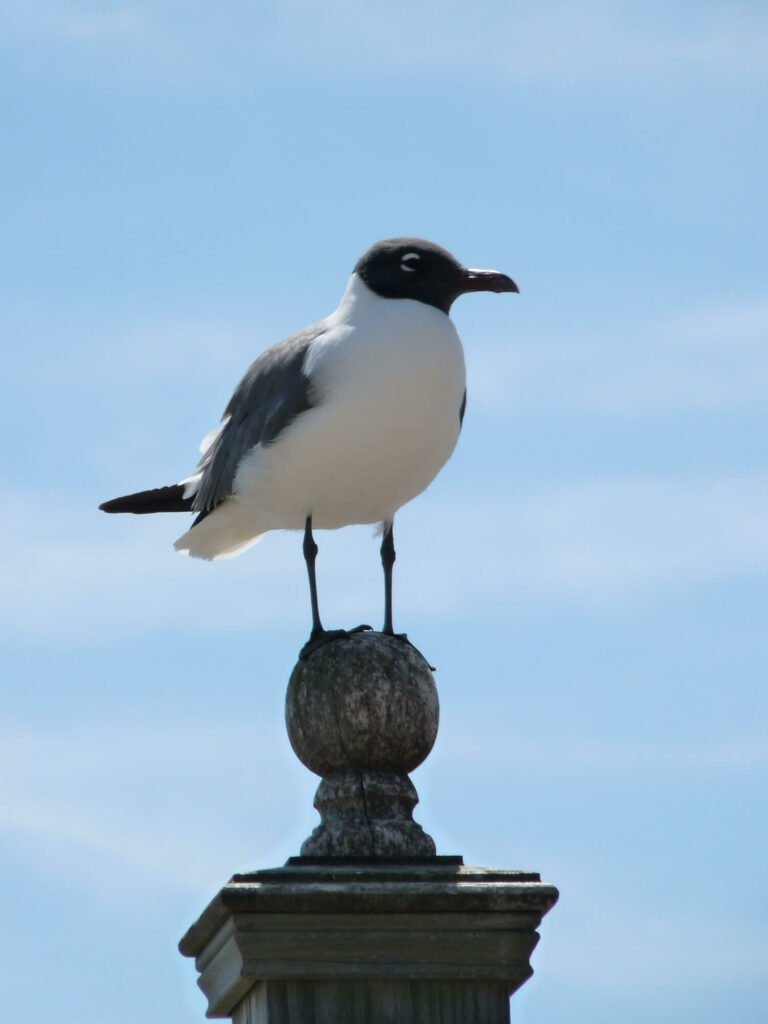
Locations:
(342, 423)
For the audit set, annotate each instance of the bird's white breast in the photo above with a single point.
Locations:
(388, 378)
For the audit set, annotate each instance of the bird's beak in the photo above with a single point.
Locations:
(485, 281)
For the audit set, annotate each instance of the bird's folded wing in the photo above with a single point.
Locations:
(273, 392)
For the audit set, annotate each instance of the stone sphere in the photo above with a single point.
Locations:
(363, 702)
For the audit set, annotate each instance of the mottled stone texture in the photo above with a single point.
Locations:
(374, 1002)
(368, 926)
(362, 712)
(378, 943)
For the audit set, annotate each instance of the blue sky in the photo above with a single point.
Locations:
(182, 184)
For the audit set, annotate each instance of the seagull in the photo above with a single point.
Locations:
(342, 423)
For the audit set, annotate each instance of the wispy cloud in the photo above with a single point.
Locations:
(591, 543)
(553, 41)
(712, 359)
(676, 949)
(137, 796)
(81, 23)
(620, 536)
(119, 807)
(594, 541)
(140, 794)
(125, 23)
(583, 754)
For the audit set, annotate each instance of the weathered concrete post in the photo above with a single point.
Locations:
(368, 925)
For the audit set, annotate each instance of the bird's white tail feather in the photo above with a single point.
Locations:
(222, 534)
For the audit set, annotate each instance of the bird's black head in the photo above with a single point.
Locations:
(411, 268)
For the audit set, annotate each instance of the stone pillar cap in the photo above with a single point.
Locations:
(339, 887)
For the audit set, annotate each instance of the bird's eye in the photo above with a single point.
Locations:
(410, 261)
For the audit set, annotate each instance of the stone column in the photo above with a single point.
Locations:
(368, 925)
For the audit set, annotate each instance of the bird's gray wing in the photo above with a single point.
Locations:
(273, 392)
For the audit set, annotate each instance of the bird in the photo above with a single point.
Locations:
(342, 423)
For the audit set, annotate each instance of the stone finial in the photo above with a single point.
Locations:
(362, 712)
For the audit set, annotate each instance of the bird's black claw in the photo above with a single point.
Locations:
(318, 640)
(404, 638)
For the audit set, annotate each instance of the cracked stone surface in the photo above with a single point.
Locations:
(362, 712)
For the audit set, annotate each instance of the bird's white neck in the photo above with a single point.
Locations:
(357, 298)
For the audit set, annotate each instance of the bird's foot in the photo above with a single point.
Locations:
(404, 638)
(325, 636)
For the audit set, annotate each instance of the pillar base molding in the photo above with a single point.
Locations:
(368, 941)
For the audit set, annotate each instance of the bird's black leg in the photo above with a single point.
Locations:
(387, 561)
(310, 554)
(319, 636)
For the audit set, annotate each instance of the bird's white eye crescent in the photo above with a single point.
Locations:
(410, 261)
